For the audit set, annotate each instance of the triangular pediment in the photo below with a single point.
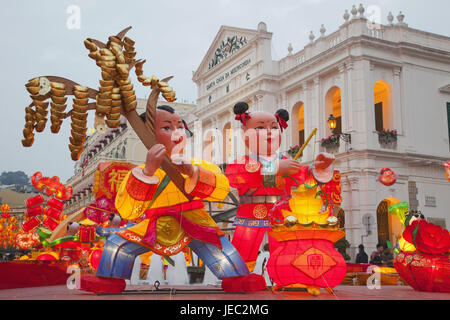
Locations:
(227, 42)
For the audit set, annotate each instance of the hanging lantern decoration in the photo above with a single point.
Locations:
(51, 186)
(387, 177)
(306, 253)
(447, 169)
(86, 232)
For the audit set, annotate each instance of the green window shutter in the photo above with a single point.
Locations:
(379, 116)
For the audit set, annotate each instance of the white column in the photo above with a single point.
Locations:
(349, 103)
(397, 105)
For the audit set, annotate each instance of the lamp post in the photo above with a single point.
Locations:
(346, 137)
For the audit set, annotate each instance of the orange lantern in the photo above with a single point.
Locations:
(5, 208)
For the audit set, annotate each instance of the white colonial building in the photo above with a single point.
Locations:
(370, 77)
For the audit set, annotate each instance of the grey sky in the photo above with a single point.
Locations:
(172, 35)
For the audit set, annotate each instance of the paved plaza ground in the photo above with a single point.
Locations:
(206, 293)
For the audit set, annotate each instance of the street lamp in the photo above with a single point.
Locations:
(346, 137)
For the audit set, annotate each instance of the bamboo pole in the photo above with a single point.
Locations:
(305, 144)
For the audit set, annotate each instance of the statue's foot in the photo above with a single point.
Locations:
(92, 283)
(248, 283)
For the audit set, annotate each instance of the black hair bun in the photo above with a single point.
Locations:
(240, 107)
(283, 114)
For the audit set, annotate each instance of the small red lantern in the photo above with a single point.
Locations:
(31, 224)
(56, 204)
(387, 177)
(50, 223)
(86, 233)
(34, 211)
(34, 201)
(53, 213)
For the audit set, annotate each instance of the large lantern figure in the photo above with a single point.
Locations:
(306, 253)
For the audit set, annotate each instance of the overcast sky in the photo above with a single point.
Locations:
(173, 35)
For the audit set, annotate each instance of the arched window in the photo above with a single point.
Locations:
(382, 104)
(333, 106)
(298, 124)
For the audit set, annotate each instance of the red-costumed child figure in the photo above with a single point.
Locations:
(263, 177)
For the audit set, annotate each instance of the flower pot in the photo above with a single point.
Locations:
(332, 148)
(424, 272)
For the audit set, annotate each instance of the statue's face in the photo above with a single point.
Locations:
(170, 132)
(262, 134)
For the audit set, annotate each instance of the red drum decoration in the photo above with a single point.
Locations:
(54, 203)
(50, 223)
(86, 233)
(34, 201)
(424, 272)
(53, 213)
(35, 211)
(311, 262)
(31, 224)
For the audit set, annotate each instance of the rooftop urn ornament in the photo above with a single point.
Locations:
(390, 18)
(262, 26)
(322, 30)
(354, 12)
(346, 15)
(401, 18)
(361, 10)
(290, 49)
(311, 37)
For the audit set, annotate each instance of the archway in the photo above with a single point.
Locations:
(340, 214)
(333, 106)
(298, 124)
(227, 145)
(383, 105)
(389, 226)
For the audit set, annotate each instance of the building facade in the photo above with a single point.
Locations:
(369, 77)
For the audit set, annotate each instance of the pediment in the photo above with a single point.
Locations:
(227, 42)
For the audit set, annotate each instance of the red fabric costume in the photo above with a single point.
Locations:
(255, 201)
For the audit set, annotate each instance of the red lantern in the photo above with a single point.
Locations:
(34, 201)
(307, 257)
(387, 177)
(34, 211)
(424, 272)
(86, 233)
(31, 224)
(53, 213)
(54, 203)
(50, 223)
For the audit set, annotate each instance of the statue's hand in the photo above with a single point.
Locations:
(183, 164)
(287, 167)
(155, 156)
